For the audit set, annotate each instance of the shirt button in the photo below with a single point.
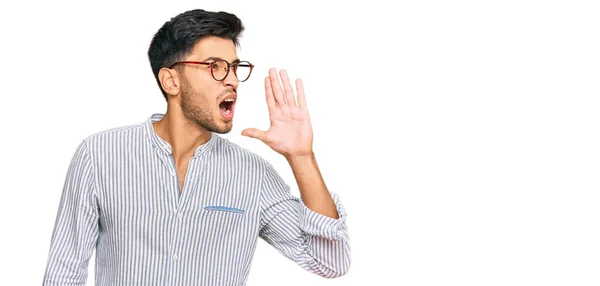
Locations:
(175, 257)
(172, 173)
(179, 215)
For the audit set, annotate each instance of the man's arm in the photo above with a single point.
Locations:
(316, 242)
(311, 230)
(313, 190)
(76, 227)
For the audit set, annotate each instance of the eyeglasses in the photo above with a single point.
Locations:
(220, 69)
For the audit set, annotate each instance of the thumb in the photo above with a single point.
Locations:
(254, 133)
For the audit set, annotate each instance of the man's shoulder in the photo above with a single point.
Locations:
(228, 148)
(113, 135)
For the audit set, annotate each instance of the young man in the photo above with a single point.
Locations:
(170, 202)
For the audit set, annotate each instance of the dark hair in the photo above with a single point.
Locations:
(177, 37)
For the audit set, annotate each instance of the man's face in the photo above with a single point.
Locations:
(204, 100)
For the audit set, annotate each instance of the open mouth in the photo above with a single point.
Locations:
(226, 106)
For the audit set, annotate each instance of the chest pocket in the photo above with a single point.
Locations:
(223, 222)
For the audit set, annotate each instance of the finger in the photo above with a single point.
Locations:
(287, 88)
(254, 133)
(271, 103)
(276, 87)
(300, 91)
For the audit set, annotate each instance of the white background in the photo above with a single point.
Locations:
(462, 136)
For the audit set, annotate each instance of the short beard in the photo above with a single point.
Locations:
(191, 103)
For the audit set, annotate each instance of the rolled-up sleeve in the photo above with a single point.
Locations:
(76, 226)
(318, 243)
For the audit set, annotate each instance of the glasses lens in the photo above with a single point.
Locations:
(243, 71)
(219, 69)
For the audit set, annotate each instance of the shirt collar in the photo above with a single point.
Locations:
(163, 145)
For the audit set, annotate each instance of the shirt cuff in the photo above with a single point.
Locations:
(316, 224)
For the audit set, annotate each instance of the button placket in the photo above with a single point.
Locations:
(173, 244)
(179, 211)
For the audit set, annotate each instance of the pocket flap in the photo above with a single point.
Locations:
(223, 208)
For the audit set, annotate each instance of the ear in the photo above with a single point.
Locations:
(169, 81)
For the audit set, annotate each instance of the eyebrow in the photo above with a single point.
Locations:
(217, 58)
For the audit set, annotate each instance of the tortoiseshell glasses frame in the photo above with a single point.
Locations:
(219, 69)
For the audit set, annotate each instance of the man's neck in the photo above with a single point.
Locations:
(183, 135)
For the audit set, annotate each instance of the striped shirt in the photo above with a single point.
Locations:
(121, 198)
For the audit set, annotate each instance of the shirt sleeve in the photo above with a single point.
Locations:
(76, 226)
(318, 243)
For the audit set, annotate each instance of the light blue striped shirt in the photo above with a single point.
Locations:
(121, 198)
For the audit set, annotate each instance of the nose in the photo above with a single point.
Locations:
(231, 80)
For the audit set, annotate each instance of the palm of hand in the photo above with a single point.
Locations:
(290, 133)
